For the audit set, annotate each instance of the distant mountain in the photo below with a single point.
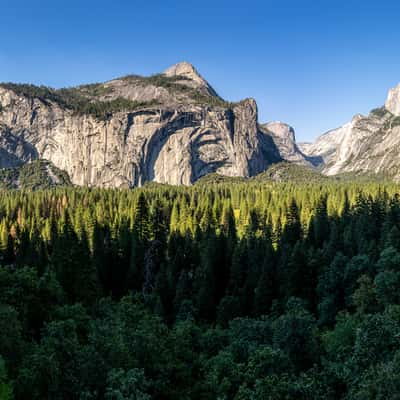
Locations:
(366, 144)
(284, 138)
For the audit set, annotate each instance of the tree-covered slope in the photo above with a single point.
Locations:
(288, 172)
(294, 173)
(36, 175)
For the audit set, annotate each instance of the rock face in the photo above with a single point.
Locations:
(392, 103)
(284, 138)
(190, 77)
(327, 150)
(366, 144)
(169, 128)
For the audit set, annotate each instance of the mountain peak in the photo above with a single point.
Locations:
(281, 129)
(393, 100)
(188, 72)
(184, 69)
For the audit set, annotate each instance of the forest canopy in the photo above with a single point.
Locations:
(233, 290)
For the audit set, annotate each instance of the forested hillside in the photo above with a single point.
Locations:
(36, 175)
(226, 290)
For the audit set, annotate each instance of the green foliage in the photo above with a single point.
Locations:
(379, 382)
(289, 172)
(210, 179)
(80, 100)
(36, 175)
(104, 109)
(380, 112)
(294, 334)
(86, 99)
(177, 85)
(228, 290)
(6, 392)
(126, 385)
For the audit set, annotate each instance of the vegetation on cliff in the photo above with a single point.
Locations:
(86, 99)
(80, 100)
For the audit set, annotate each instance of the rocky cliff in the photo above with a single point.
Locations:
(392, 103)
(284, 138)
(169, 128)
(365, 144)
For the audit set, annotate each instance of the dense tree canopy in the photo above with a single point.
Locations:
(216, 291)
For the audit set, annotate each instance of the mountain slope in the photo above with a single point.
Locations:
(36, 175)
(365, 144)
(291, 172)
(169, 128)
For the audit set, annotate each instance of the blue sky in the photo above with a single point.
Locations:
(313, 64)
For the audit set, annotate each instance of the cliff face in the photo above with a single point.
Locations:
(392, 103)
(365, 144)
(170, 128)
(284, 138)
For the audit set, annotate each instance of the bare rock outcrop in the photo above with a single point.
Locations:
(392, 103)
(284, 138)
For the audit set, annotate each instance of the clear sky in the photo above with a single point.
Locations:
(311, 63)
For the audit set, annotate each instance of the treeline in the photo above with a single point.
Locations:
(177, 85)
(79, 100)
(228, 291)
(84, 100)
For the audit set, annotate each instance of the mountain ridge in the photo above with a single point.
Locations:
(174, 128)
(368, 143)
